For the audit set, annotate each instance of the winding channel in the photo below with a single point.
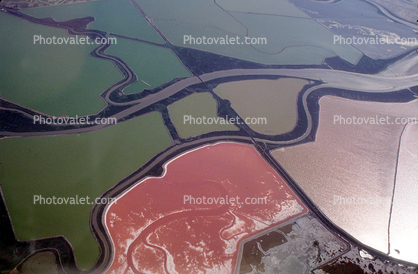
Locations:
(329, 78)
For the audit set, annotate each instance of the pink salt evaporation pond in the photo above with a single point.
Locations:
(193, 218)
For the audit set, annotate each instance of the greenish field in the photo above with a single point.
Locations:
(298, 32)
(152, 64)
(272, 7)
(201, 13)
(272, 102)
(196, 105)
(53, 79)
(70, 165)
(291, 37)
(116, 16)
(41, 263)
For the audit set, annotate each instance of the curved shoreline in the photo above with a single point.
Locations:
(329, 79)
